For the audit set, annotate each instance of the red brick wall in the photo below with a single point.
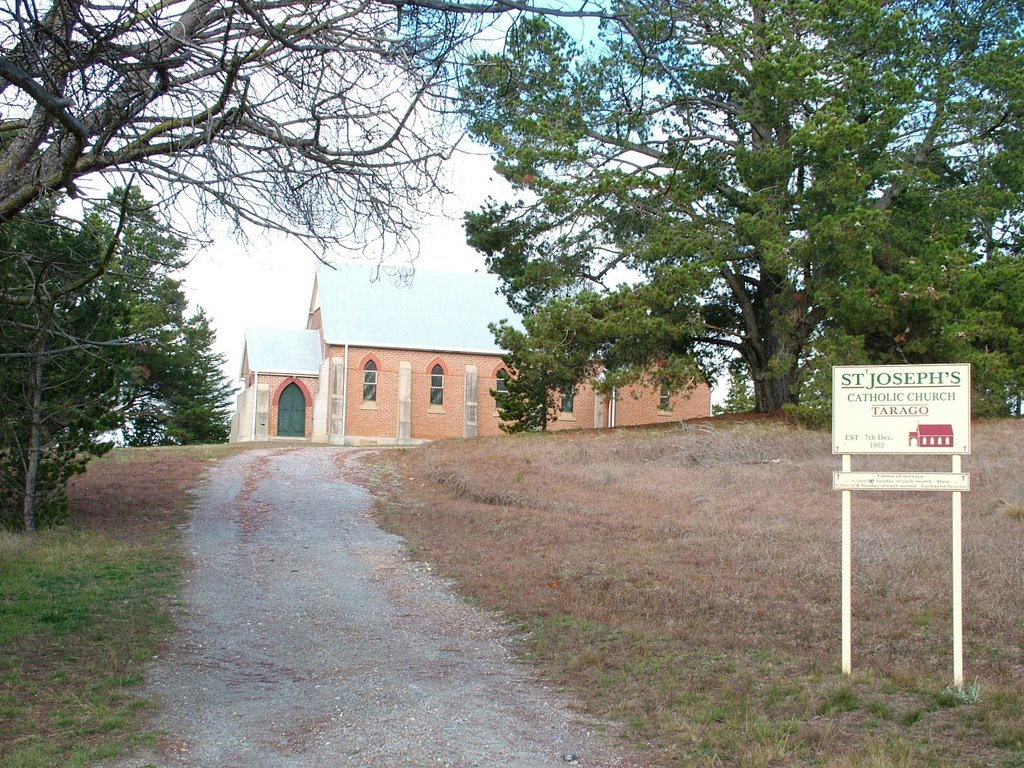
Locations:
(308, 384)
(380, 419)
(582, 416)
(641, 404)
(636, 405)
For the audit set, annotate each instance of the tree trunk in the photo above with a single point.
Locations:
(774, 361)
(774, 390)
(35, 445)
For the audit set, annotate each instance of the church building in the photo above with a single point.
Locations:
(386, 361)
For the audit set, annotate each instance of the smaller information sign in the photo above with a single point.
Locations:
(901, 409)
(901, 481)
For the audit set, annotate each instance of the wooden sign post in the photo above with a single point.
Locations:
(901, 409)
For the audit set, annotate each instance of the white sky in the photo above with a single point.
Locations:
(267, 283)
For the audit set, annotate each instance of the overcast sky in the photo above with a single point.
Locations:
(267, 283)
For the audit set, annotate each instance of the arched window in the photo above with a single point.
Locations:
(501, 385)
(665, 402)
(437, 385)
(370, 382)
(568, 398)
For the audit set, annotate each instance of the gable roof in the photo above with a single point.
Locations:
(935, 429)
(272, 350)
(361, 305)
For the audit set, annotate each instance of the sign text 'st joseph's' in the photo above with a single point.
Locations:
(901, 409)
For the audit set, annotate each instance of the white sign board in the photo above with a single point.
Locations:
(901, 409)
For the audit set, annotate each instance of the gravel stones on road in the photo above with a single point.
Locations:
(310, 639)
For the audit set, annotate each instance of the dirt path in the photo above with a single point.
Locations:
(310, 639)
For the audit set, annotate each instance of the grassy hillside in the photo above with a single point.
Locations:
(686, 582)
(682, 581)
(84, 608)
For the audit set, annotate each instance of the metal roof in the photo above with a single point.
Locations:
(935, 429)
(272, 350)
(362, 305)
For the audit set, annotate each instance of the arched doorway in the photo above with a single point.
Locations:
(291, 412)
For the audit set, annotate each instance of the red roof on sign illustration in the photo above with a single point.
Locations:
(932, 436)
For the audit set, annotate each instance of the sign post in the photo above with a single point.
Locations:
(902, 409)
(847, 575)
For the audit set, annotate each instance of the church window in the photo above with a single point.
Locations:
(437, 385)
(568, 398)
(370, 382)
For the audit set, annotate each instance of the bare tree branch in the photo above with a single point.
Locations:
(260, 108)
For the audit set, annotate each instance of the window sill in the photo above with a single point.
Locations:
(435, 409)
(369, 406)
(567, 417)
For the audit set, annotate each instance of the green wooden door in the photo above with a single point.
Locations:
(291, 413)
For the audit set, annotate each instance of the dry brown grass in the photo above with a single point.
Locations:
(83, 609)
(139, 492)
(686, 582)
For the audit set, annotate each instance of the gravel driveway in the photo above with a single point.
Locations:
(310, 639)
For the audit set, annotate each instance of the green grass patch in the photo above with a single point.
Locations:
(703, 707)
(80, 614)
(840, 699)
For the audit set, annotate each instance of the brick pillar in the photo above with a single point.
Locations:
(469, 408)
(404, 400)
(337, 415)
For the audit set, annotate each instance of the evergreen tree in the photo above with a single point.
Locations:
(771, 174)
(181, 394)
(88, 311)
(550, 355)
(62, 358)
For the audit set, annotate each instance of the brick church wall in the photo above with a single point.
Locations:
(379, 419)
(639, 404)
(276, 384)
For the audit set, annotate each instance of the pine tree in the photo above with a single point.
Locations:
(92, 320)
(182, 396)
(766, 174)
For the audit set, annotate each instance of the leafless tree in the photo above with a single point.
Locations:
(321, 118)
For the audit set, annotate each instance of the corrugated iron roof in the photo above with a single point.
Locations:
(363, 306)
(272, 350)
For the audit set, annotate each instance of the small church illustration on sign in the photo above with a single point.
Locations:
(932, 436)
(398, 362)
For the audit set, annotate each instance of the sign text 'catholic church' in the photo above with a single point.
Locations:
(901, 409)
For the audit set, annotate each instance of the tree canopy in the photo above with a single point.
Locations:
(770, 180)
(95, 337)
(179, 394)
